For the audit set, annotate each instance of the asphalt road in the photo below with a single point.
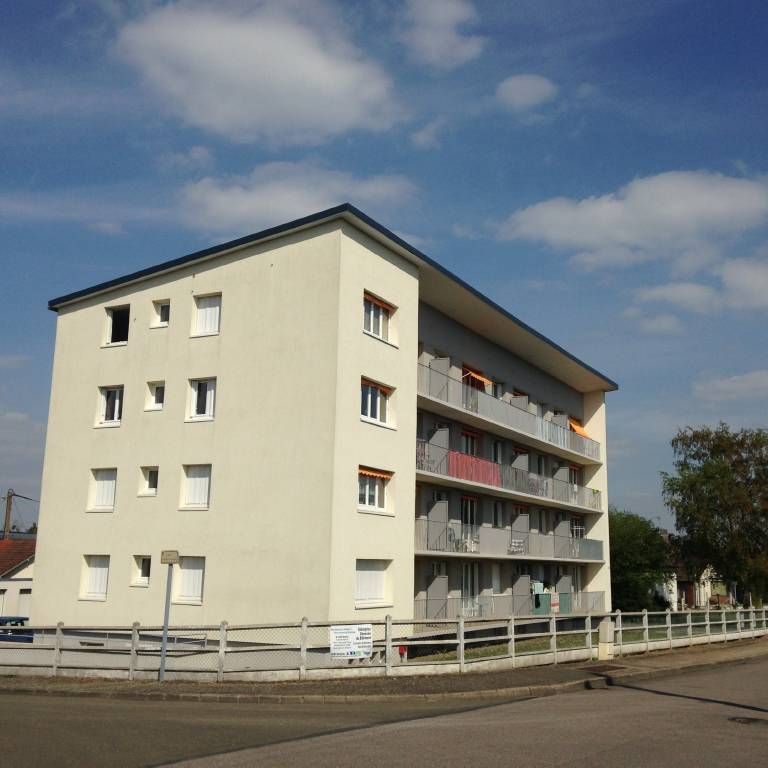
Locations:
(712, 718)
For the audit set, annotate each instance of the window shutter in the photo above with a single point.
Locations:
(191, 570)
(208, 311)
(370, 581)
(197, 485)
(209, 397)
(98, 575)
(104, 491)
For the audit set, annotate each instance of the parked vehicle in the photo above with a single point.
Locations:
(13, 630)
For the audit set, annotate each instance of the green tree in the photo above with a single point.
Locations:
(640, 559)
(719, 496)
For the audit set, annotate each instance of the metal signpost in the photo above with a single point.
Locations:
(169, 557)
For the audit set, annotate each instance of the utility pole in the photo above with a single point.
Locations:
(8, 504)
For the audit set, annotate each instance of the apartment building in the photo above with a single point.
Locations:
(324, 422)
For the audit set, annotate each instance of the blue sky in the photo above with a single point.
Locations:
(597, 168)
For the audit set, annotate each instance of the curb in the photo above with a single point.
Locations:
(592, 682)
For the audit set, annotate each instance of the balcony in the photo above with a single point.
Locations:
(454, 537)
(436, 385)
(503, 606)
(446, 463)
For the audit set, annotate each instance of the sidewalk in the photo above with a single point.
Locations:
(507, 685)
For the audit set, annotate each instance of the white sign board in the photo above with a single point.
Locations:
(169, 557)
(554, 603)
(351, 641)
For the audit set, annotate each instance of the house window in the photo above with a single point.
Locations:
(470, 442)
(468, 510)
(541, 465)
(197, 486)
(373, 401)
(117, 324)
(104, 482)
(111, 410)
(207, 315)
(371, 582)
(189, 585)
(372, 484)
(376, 316)
(497, 451)
(142, 565)
(203, 396)
(149, 478)
(578, 530)
(498, 514)
(95, 577)
(497, 389)
(575, 476)
(162, 313)
(155, 396)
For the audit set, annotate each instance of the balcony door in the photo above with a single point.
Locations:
(470, 588)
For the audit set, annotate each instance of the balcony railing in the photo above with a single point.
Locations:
(453, 536)
(441, 461)
(455, 392)
(503, 606)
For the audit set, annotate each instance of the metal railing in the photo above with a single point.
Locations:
(475, 630)
(453, 536)
(512, 414)
(442, 461)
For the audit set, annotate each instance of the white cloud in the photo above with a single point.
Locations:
(195, 158)
(745, 282)
(523, 92)
(276, 192)
(674, 214)
(663, 324)
(693, 297)
(281, 72)
(428, 137)
(12, 361)
(746, 387)
(433, 36)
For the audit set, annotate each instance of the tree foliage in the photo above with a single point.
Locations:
(640, 559)
(719, 496)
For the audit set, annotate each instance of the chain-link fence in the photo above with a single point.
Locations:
(307, 649)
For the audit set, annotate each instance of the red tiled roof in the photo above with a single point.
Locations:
(13, 552)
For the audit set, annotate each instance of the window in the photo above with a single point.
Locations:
(575, 476)
(373, 401)
(197, 486)
(103, 486)
(376, 315)
(203, 396)
(25, 596)
(155, 396)
(142, 565)
(162, 313)
(439, 567)
(541, 465)
(470, 442)
(498, 514)
(117, 324)
(577, 527)
(497, 451)
(468, 510)
(372, 485)
(95, 577)
(371, 582)
(497, 389)
(207, 315)
(189, 585)
(149, 478)
(111, 409)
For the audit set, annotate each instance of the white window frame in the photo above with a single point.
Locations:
(101, 420)
(179, 595)
(151, 403)
(364, 584)
(204, 299)
(377, 319)
(497, 513)
(99, 475)
(144, 482)
(110, 319)
(137, 577)
(497, 451)
(86, 582)
(186, 477)
(157, 311)
(374, 490)
(210, 399)
(371, 393)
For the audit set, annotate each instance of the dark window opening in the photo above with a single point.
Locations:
(119, 329)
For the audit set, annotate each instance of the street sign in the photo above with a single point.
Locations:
(169, 557)
(351, 641)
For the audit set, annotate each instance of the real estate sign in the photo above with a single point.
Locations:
(351, 641)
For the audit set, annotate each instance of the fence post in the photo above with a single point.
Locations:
(646, 635)
(460, 649)
(553, 638)
(689, 627)
(764, 626)
(388, 645)
(57, 640)
(724, 624)
(738, 621)
(222, 651)
(707, 626)
(511, 640)
(752, 622)
(619, 633)
(134, 656)
(669, 627)
(588, 634)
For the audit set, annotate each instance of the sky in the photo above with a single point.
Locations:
(597, 168)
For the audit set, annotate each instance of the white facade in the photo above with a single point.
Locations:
(264, 417)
